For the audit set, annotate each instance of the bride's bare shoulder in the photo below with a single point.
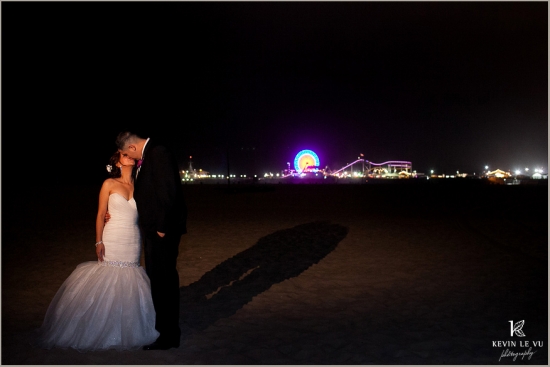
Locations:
(109, 182)
(112, 185)
(108, 185)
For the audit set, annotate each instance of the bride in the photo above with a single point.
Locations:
(106, 304)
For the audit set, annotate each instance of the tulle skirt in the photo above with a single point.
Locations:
(101, 307)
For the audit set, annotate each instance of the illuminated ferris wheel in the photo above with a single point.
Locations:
(305, 158)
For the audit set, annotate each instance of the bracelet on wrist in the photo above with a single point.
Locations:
(97, 243)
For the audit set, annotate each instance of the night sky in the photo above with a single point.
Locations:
(446, 85)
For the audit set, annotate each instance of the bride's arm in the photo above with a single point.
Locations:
(100, 219)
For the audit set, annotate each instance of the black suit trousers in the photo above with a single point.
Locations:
(161, 255)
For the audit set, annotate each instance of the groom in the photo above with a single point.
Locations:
(162, 220)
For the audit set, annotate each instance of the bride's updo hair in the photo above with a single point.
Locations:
(114, 171)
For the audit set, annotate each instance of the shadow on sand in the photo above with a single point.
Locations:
(284, 254)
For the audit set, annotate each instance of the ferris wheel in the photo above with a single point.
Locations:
(305, 158)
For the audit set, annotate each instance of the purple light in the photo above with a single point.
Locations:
(390, 162)
(303, 157)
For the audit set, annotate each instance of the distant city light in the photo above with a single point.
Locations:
(307, 164)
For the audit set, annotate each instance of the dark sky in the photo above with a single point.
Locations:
(446, 85)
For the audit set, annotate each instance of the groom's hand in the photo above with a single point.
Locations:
(107, 217)
(160, 234)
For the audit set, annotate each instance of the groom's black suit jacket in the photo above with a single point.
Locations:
(158, 192)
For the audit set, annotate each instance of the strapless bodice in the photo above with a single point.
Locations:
(121, 235)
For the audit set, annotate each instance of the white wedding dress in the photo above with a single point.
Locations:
(105, 305)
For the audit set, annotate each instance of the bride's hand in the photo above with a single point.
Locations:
(100, 251)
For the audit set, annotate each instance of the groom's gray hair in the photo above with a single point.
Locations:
(125, 138)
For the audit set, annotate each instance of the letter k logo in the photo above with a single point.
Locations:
(516, 328)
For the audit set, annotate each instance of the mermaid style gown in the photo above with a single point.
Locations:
(105, 305)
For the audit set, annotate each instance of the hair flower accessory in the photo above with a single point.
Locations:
(109, 168)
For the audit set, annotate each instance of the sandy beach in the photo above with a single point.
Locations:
(345, 274)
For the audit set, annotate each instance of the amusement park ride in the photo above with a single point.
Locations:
(306, 163)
